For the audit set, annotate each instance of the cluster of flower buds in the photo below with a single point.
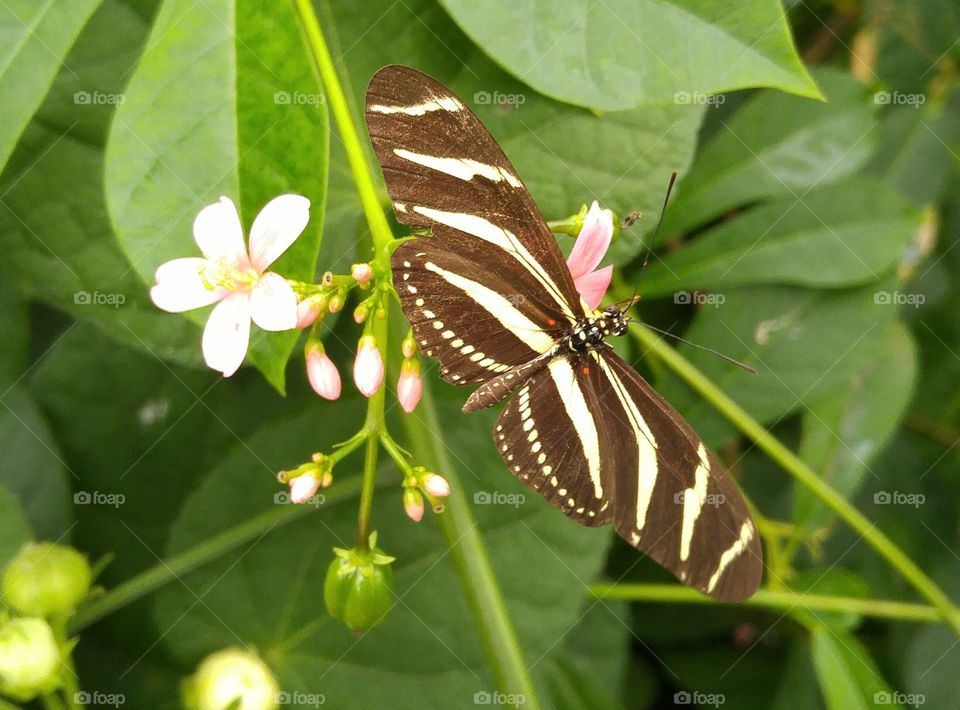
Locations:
(305, 479)
(419, 483)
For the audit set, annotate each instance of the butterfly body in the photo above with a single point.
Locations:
(489, 295)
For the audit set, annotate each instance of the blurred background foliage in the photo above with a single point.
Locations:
(811, 239)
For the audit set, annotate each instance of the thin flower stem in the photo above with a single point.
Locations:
(200, 554)
(770, 599)
(797, 468)
(374, 427)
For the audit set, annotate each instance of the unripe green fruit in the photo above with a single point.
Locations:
(45, 580)
(29, 659)
(359, 587)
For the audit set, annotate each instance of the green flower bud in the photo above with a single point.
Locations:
(232, 678)
(46, 580)
(29, 659)
(359, 586)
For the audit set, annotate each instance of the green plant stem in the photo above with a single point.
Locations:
(466, 546)
(796, 467)
(198, 555)
(472, 562)
(769, 599)
(374, 427)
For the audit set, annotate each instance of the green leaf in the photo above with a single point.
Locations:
(14, 530)
(777, 145)
(223, 102)
(829, 581)
(849, 678)
(33, 466)
(36, 38)
(15, 326)
(838, 235)
(619, 54)
(847, 428)
(565, 155)
(269, 593)
(803, 343)
(55, 229)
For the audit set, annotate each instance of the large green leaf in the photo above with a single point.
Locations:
(565, 155)
(62, 246)
(803, 343)
(619, 54)
(223, 102)
(838, 235)
(777, 145)
(844, 430)
(33, 466)
(849, 678)
(36, 37)
(15, 326)
(269, 594)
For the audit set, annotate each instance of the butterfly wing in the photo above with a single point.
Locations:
(489, 290)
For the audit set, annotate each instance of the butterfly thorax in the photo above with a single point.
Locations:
(590, 332)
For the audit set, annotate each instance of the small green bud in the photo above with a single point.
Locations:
(29, 659)
(45, 580)
(359, 586)
(232, 678)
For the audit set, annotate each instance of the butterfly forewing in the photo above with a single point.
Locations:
(489, 295)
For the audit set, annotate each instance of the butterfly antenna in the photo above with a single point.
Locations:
(719, 354)
(653, 239)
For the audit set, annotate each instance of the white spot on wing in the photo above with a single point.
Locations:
(461, 168)
(441, 103)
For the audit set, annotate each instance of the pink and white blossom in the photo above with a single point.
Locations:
(409, 385)
(436, 485)
(413, 504)
(368, 366)
(591, 245)
(235, 276)
(303, 487)
(322, 373)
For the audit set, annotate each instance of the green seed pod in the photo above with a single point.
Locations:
(46, 580)
(29, 659)
(232, 677)
(359, 587)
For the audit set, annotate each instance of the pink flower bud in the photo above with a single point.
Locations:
(307, 312)
(303, 487)
(591, 245)
(409, 346)
(436, 485)
(368, 367)
(413, 504)
(362, 273)
(322, 373)
(409, 385)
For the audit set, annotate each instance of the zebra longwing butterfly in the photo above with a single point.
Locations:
(489, 295)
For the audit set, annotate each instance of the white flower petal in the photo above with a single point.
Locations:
(219, 234)
(227, 333)
(273, 304)
(277, 226)
(179, 286)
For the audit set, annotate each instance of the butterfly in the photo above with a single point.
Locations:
(489, 295)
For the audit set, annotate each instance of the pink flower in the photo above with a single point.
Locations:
(303, 487)
(592, 243)
(368, 367)
(322, 373)
(436, 485)
(409, 385)
(413, 504)
(235, 277)
(362, 273)
(308, 310)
